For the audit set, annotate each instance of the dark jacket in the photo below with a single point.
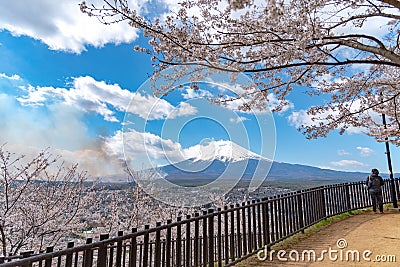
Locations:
(374, 182)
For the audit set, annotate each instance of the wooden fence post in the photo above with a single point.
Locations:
(244, 230)
(146, 242)
(47, 262)
(102, 252)
(27, 254)
(157, 256)
(118, 258)
(196, 241)
(178, 262)
(205, 240)
(259, 224)
(168, 254)
(87, 255)
(226, 235)
(133, 250)
(68, 257)
(265, 222)
(300, 210)
(232, 226)
(349, 207)
(239, 237)
(219, 237)
(188, 248)
(211, 238)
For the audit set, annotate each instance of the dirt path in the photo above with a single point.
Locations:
(379, 233)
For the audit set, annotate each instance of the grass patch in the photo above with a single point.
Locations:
(390, 205)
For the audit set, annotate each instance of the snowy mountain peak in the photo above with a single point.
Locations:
(222, 150)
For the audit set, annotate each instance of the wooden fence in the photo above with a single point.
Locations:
(220, 237)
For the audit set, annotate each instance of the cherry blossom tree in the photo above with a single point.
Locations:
(344, 53)
(133, 206)
(41, 201)
(128, 207)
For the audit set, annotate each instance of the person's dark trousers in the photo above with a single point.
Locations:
(376, 196)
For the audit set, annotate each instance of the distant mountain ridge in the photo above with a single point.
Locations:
(210, 160)
(230, 160)
(279, 171)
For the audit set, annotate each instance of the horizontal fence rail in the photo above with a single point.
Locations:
(220, 237)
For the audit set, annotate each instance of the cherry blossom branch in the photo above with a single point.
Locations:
(394, 3)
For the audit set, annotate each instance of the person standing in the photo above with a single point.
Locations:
(374, 184)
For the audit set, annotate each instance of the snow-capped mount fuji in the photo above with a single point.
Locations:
(222, 150)
(211, 159)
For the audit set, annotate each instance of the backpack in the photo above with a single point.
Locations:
(374, 182)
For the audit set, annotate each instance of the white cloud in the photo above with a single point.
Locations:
(59, 127)
(87, 94)
(301, 118)
(342, 152)
(53, 117)
(365, 151)
(348, 163)
(183, 109)
(141, 148)
(274, 102)
(191, 93)
(238, 119)
(324, 167)
(61, 25)
(153, 108)
(14, 77)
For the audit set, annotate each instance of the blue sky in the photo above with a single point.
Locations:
(66, 82)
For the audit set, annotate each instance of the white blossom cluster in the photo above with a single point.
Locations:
(40, 201)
